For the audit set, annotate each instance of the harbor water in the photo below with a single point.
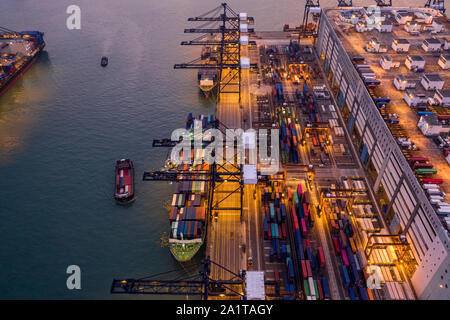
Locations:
(67, 120)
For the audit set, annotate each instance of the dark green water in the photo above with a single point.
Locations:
(67, 120)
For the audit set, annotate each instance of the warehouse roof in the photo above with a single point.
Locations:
(444, 92)
(416, 58)
(401, 41)
(431, 41)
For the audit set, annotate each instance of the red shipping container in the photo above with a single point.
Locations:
(283, 229)
(304, 271)
(337, 249)
(276, 275)
(433, 180)
(308, 268)
(321, 256)
(418, 159)
(319, 287)
(280, 232)
(343, 239)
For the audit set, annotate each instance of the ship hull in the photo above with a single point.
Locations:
(186, 252)
(18, 74)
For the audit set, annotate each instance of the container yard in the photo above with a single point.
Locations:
(359, 201)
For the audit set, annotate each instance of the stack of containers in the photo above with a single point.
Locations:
(309, 263)
(289, 135)
(274, 219)
(342, 235)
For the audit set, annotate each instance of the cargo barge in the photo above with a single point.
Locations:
(189, 202)
(18, 52)
(124, 191)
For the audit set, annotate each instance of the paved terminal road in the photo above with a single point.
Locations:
(226, 239)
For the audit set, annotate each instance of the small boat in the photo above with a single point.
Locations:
(104, 61)
(124, 191)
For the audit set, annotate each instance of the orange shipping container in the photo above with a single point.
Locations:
(369, 293)
(352, 244)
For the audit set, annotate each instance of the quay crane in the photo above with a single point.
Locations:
(225, 23)
(7, 31)
(215, 176)
(311, 7)
(200, 284)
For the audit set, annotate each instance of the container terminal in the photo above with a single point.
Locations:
(18, 52)
(358, 209)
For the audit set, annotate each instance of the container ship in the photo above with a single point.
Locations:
(207, 77)
(18, 52)
(189, 202)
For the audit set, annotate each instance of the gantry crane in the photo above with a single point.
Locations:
(224, 33)
(304, 32)
(436, 4)
(200, 284)
(215, 176)
(384, 3)
(345, 3)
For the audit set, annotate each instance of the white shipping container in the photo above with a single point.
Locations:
(430, 186)
(312, 289)
(433, 191)
(174, 200)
